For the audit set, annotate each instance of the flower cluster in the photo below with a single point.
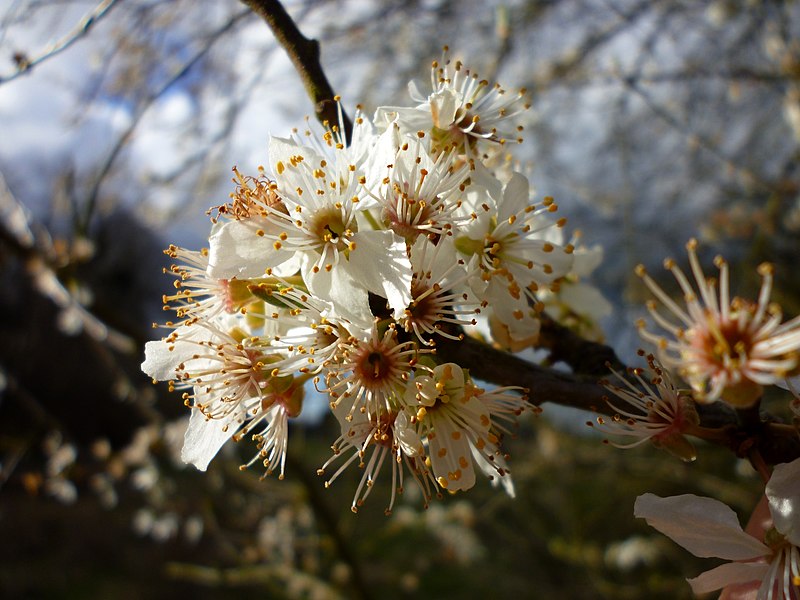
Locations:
(343, 268)
(725, 348)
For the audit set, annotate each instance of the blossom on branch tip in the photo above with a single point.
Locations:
(343, 265)
(724, 347)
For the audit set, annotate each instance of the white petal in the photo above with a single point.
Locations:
(704, 526)
(783, 493)
(453, 377)
(204, 437)
(161, 358)
(289, 267)
(415, 91)
(408, 119)
(514, 313)
(444, 254)
(451, 459)
(515, 197)
(559, 261)
(236, 250)
(407, 437)
(349, 298)
(587, 260)
(727, 574)
(381, 265)
(444, 105)
(482, 177)
(384, 153)
(586, 300)
(281, 150)
(355, 425)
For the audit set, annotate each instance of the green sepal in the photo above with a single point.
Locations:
(676, 444)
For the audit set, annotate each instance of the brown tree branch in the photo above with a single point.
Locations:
(743, 433)
(543, 384)
(585, 358)
(304, 54)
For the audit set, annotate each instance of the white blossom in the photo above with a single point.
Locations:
(724, 347)
(708, 528)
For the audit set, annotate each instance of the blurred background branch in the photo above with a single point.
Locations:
(25, 62)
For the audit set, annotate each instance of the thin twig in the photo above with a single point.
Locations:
(25, 63)
(304, 54)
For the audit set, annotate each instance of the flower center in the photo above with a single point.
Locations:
(408, 215)
(456, 136)
(330, 229)
(723, 343)
(373, 367)
(287, 391)
(423, 307)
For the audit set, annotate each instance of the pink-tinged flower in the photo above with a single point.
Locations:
(725, 348)
(199, 296)
(440, 299)
(709, 528)
(656, 411)
(281, 399)
(230, 388)
(370, 374)
(196, 294)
